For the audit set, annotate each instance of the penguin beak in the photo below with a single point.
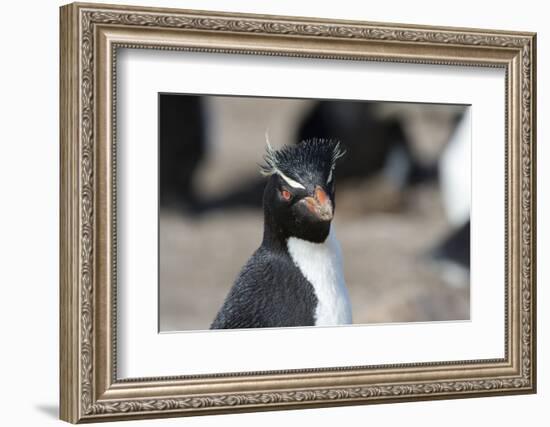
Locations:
(319, 204)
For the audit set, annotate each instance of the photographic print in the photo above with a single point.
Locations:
(278, 212)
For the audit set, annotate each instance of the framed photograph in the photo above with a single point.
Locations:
(266, 212)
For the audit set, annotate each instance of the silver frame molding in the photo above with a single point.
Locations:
(90, 37)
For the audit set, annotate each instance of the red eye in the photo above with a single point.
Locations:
(286, 194)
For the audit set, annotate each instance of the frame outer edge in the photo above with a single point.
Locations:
(77, 226)
(68, 227)
(304, 19)
(533, 124)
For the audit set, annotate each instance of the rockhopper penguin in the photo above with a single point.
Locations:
(295, 278)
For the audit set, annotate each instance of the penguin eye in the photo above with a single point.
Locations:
(285, 194)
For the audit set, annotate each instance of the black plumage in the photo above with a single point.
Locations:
(310, 161)
(270, 290)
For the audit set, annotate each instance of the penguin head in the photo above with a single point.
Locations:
(299, 197)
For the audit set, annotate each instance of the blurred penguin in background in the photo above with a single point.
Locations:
(182, 149)
(376, 144)
(455, 170)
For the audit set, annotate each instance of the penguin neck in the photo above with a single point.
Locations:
(275, 236)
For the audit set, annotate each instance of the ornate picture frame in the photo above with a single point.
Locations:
(90, 37)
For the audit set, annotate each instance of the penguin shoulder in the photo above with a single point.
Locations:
(242, 306)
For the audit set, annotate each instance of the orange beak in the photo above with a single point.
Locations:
(320, 204)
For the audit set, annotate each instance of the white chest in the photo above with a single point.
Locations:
(321, 265)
